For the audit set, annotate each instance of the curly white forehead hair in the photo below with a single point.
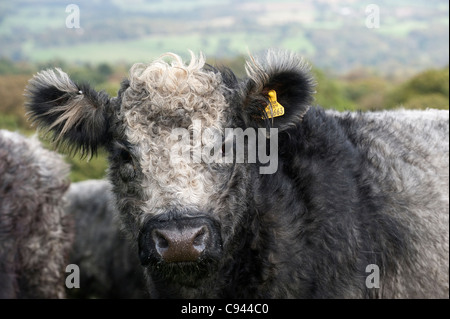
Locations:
(173, 84)
(164, 95)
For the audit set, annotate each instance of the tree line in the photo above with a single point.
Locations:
(360, 89)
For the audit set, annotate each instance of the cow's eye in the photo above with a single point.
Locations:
(125, 163)
(127, 169)
(125, 156)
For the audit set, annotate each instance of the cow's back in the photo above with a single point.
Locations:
(406, 159)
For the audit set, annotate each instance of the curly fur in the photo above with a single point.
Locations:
(351, 189)
(194, 94)
(35, 233)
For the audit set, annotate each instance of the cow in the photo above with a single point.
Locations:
(244, 188)
(109, 266)
(35, 233)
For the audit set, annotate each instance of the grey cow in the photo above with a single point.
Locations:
(108, 263)
(344, 205)
(35, 233)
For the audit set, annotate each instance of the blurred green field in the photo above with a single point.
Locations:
(24, 17)
(150, 47)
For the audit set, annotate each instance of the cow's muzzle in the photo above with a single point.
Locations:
(179, 240)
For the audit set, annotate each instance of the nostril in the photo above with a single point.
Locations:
(161, 242)
(200, 239)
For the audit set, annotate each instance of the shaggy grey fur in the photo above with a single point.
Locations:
(109, 267)
(35, 234)
(407, 154)
(351, 189)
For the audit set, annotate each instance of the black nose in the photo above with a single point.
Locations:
(186, 244)
(170, 239)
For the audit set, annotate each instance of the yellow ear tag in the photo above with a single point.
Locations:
(277, 108)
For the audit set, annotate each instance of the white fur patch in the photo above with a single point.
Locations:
(164, 96)
(56, 78)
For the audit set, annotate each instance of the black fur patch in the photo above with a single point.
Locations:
(294, 90)
(89, 131)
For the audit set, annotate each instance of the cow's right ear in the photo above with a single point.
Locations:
(75, 114)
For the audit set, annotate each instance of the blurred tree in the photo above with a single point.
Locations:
(105, 70)
(236, 64)
(330, 93)
(365, 89)
(89, 74)
(428, 89)
(12, 99)
(53, 63)
(432, 101)
(109, 87)
(6, 66)
(9, 67)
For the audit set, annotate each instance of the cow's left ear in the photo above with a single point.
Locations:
(279, 90)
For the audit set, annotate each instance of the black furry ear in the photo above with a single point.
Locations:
(75, 114)
(279, 90)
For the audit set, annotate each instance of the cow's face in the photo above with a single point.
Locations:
(163, 111)
(180, 181)
(174, 198)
